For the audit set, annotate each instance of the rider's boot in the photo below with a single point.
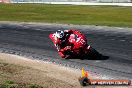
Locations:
(62, 55)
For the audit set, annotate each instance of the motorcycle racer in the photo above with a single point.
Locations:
(70, 40)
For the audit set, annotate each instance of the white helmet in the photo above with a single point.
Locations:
(59, 34)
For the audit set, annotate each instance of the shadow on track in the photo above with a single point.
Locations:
(87, 57)
(92, 55)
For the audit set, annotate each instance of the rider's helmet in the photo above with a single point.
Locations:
(59, 34)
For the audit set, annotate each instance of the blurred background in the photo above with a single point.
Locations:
(43, 1)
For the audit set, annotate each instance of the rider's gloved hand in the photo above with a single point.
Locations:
(64, 49)
(67, 48)
(61, 50)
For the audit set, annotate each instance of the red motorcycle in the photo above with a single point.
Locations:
(75, 45)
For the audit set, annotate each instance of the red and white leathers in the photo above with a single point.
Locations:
(73, 40)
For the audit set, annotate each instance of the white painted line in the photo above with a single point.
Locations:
(123, 40)
(82, 3)
(112, 39)
(97, 61)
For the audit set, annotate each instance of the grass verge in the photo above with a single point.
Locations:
(18, 72)
(7, 74)
(12, 84)
(69, 14)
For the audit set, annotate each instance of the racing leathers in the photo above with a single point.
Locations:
(72, 40)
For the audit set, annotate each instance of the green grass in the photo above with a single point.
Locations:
(12, 84)
(69, 14)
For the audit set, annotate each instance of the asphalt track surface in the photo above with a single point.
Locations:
(31, 40)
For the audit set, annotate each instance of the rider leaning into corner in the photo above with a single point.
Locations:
(65, 40)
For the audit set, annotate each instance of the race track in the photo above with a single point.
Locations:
(32, 40)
